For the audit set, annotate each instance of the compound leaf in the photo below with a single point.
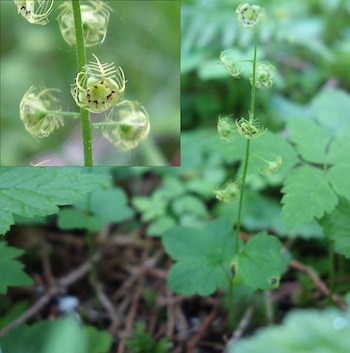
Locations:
(38, 191)
(259, 263)
(308, 331)
(306, 195)
(336, 225)
(339, 177)
(203, 257)
(12, 273)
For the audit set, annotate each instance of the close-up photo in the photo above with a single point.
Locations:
(90, 85)
(227, 229)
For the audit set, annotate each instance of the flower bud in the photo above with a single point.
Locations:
(264, 76)
(99, 86)
(94, 17)
(249, 16)
(248, 129)
(35, 112)
(226, 128)
(35, 11)
(271, 166)
(126, 125)
(228, 193)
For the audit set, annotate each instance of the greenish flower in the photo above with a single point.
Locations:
(35, 112)
(35, 11)
(228, 193)
(249, 16)
(126, 125)
(94, 16)
(98, 86)
(264, 76)
(249, 129)
(226, 128)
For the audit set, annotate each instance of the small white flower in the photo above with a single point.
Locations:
(35, 11)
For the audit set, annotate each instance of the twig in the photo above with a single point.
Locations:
(318, 282)
(206, 323)
(60, 286)
(237, 334)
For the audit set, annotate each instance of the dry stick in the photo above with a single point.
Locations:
(237, 334)
(61, 284)
(108, 305)
(206, 323)
(318, 283)
(170, 317)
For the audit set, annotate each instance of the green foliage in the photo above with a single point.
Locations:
(302, 332)
(143, 342)
(12, 273)
(71, 218)
(64, 335)
(337, 226)
(259, 263)
(314, 187)
(205, 257)
(38, 191)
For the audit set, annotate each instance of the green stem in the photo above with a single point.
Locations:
(252, 98)
(331, 266)
(247, 149)
(58, 112)
(84, 116)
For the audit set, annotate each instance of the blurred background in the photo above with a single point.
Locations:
(143, 38)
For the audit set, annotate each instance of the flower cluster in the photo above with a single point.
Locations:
(99, 86)
(126, 125)
(35, 12)
(271, 166)
(226, 128)
(37, 112)
(94, 16)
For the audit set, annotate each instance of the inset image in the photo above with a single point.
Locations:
(90, 83)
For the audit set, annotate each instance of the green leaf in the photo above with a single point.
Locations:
(159, 226)
(337, 226)
(64, 335)
(38, 191)
(331, 107)
(71, 218)
(339, 150)
(301, 132)
(259, 263)
(189, 204)
(203, 257)
(308, 331)
(110, 205)
(151, 207)
(306, 195)
(12, 273)
(339, 177)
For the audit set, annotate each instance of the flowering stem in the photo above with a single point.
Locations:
(247, 149)
(252, 98)
(84, 114)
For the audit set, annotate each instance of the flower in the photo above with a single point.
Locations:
(248, 129)
(98, 86)
(249, 16)
(228, 193)
(35, 112)
(271, 166)
(226, 58)
(126, 125)
(264, 76)
(36, 12)
(226, 128)
(94, 16)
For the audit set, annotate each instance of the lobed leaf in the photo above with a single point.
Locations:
(12, 273)
(39, 191)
